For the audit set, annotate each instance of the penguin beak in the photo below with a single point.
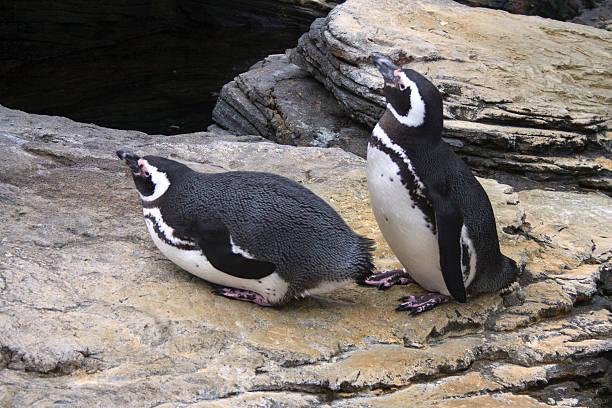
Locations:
(130, 159)
(385, 67)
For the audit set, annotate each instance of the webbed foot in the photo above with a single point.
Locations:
(241, 294)
(384, 280)
(420, 303)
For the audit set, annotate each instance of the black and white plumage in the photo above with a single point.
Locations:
(260, 236)
(430, 208)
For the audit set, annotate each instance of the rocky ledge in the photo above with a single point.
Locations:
(522, 94)
(91, 314)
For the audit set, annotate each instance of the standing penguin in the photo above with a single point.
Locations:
(432, 211)
(258, 236)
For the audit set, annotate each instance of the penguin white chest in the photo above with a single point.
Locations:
(403, 224)
(189, 257)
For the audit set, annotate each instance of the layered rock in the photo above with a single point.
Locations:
(522, 94)
(278, 100)
(91, 314)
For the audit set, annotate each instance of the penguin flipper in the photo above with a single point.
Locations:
(449, 222)
(213, 238)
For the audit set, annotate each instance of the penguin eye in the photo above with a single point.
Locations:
(402, 87)
(144, 171)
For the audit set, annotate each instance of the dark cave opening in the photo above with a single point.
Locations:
(153, 66)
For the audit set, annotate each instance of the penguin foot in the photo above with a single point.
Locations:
(421, 303)
(387, 279)
(241, 294)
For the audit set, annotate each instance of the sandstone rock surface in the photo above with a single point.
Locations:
(522, 94)
(91, 314)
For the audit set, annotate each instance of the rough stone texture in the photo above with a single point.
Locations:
(280, 101)
(91, 314)
(522, 94)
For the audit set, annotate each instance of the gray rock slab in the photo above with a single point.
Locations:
(282, 102)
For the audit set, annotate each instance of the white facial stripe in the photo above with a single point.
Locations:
(416, 114)
(160, 182)
(465, 240)
(381, 135)
(237, 250)
(165, 229)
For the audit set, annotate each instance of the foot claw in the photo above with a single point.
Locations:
(241, 294)
(421, 303)
(387, 279)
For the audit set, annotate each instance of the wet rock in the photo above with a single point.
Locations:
(560, 10)
(596, 13)
(91, 314)
(599, 16)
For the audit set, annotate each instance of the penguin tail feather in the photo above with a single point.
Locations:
(364, 265)
(511, 272)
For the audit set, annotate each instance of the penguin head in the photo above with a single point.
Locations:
(152, 175)
(411, 98)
